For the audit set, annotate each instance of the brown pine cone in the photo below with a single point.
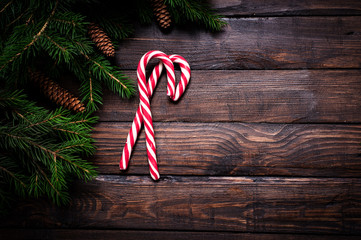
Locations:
(56, 93)
(101, 40)
(161, 14)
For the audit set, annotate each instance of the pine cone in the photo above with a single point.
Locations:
(56, 93)
(101, 40)
(161, 13)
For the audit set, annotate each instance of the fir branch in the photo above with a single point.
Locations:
(83, 45)
(91, 99)
(72, 122)
(55, 172)
(13, 175)
(16, 177)
(91, 92)
(75, 145)
(42, 122)
(116, 27)
(35, 38)
(113, 79)
(59, 48)
(42, 149)
(29, 19)
(58, 194)
(10, 172)
(25, 140)
(69, 24)
(7, 98)
(8, 4)
(63, 49)
(144, 11)
(17, 101)
(11, 15)
(195, 11)
(89, 174)
(22, 116)
(48, 152)
(35, 185)
(69, 147)
(15, 20)
(66, 130)
(108, 73)
(77, 122)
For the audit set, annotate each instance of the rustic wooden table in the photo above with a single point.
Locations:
(265, 143)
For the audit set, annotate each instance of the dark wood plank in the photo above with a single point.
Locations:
(252, 96)
(236, 149)
(45, 234)
(256, 43)
(238, 204)
(285, 8)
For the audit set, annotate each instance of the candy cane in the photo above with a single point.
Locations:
(185, 76)
(138, 120)
(143, 112)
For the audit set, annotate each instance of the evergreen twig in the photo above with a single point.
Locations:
(50, 144)
(196, 11)
(35, 38)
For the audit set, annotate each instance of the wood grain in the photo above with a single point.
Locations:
(252, 96)
(246, 154)
(285, 8)
(239, 204)
(50, 234)
(236, 149)
(255, 43)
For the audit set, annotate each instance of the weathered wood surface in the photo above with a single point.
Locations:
(289, 8)
(50, 234)
(242, 204)
(252, 96)
(256, 43)
(236, 149)
(226, 174)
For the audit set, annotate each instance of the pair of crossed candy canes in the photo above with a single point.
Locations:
(145, 92)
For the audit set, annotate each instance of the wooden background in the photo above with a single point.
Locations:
(265, 143)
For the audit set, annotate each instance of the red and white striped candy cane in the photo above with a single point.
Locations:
(185, 76)
(143, 111)
(138, 120)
